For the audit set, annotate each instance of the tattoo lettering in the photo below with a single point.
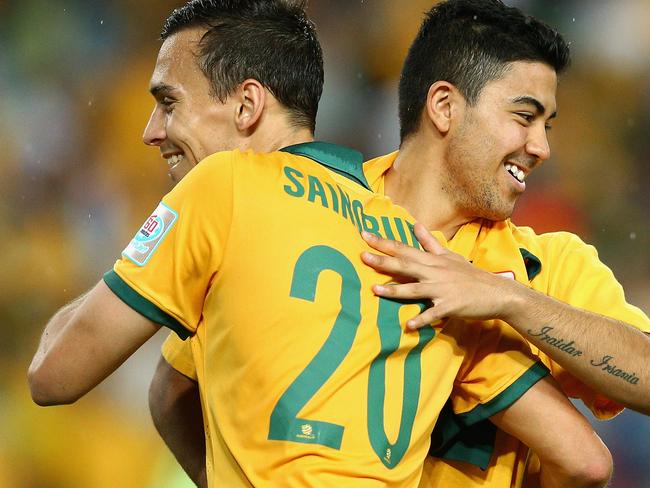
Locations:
(614, 371)
(567, 347)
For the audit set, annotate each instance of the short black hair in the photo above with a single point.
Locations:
(272, 41)
(469, 43)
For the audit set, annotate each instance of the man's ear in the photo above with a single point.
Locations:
(252, 100)
(441, 106)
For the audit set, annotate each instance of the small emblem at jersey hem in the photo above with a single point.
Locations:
(150, 235)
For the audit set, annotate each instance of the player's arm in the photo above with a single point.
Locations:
(569, 451)
(175, 408)
(612, 355)
(83, 343)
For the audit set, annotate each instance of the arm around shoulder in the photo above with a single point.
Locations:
(606, 354)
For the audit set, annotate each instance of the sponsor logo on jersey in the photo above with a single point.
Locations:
(306, 432)
(150, 235)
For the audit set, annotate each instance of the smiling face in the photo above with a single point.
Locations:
(499, 141)
(187, 123)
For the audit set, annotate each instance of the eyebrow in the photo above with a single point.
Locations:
(159, 90)
(528, 100)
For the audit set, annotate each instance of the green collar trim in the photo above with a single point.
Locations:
(342, 160)
(532, 263)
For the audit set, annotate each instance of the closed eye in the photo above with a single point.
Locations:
(168, 103)
(528, 117)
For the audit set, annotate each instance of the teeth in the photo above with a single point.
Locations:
(516, 172)
(174, 160)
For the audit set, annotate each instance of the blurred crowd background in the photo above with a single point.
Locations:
(76, 181)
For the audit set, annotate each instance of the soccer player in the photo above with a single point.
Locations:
(475, 46)
(476, 99)
(292, 372)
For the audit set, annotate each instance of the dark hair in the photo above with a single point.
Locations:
(469, 43)
(271, 41)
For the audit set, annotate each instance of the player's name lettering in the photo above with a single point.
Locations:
(614, 371)
(334, 198)
(544, 336)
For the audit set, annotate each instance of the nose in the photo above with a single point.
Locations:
(537, 144)
(155, 132)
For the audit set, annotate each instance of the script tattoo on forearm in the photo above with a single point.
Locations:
(612, 369)
(545, 336)
(605, 364)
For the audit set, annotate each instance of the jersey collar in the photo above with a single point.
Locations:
(376, 169)
(342, 160)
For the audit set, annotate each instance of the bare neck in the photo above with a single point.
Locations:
(269, 141)
(414, 182)
(275, 129)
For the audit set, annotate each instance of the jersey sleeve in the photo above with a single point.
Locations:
(498, 371)
(167, 269)
(580, 279)
(178, 354)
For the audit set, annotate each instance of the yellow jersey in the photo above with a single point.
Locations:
(557, 264)
(306, 377)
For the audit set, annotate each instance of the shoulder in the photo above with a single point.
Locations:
(549, 244)
(227, 167)
(215, 164)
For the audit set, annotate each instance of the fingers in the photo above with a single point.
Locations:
(429, 317)
(427, 241)
(393, 248)
(412, 291)
(395, 266)
(406, 291)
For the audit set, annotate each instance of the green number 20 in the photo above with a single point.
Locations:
(285, 424)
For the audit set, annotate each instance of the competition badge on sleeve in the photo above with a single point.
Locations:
(150, 235)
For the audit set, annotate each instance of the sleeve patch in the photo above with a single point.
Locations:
(150, 235)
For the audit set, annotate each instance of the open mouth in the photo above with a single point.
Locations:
(516, 172)
(175, 160)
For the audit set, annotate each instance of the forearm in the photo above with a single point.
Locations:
(607, 355)
(175, 406)
(51, 333)
(567, 452)
(83, 343)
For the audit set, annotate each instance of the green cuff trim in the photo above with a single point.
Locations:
(342, 160)
(509, 396)
(532, 263)
(473, 445)
(143, 306)
(469, 437)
